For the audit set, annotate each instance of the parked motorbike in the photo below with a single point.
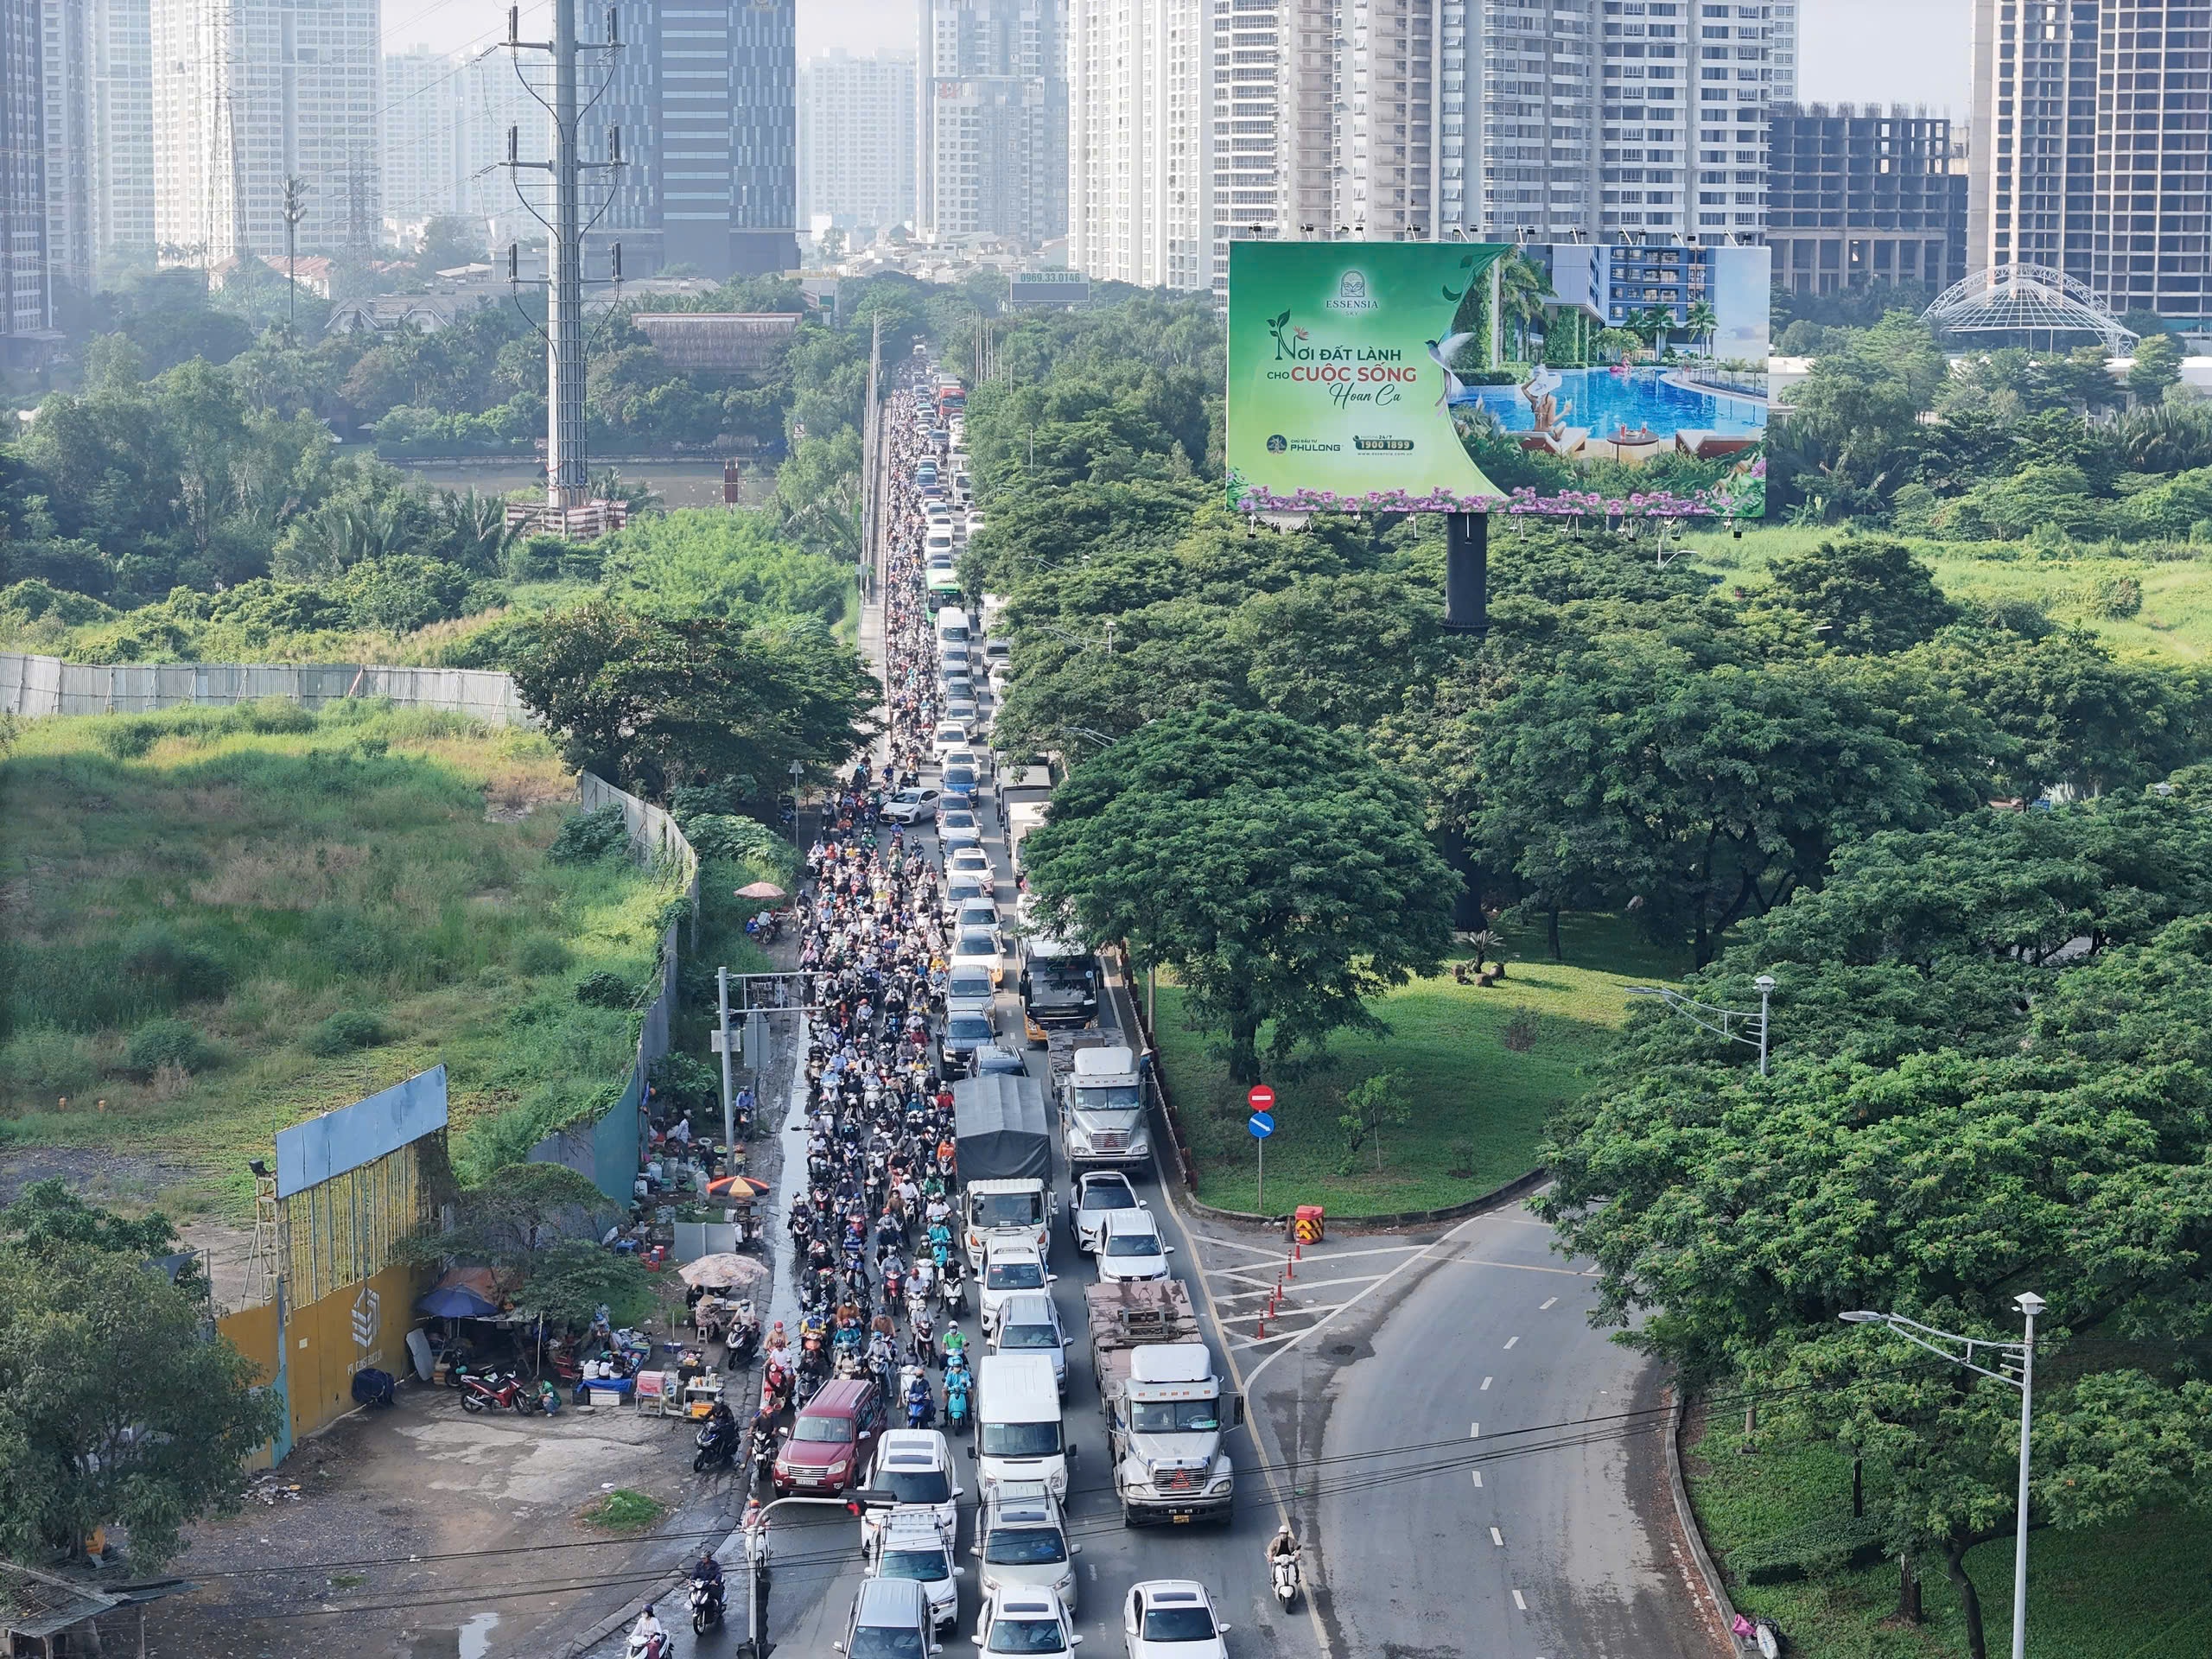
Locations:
(491, 1391)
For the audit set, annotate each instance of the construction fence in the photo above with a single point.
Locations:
(33, 687)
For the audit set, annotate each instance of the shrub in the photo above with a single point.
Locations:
(541, 953)
(686, 1084)
(159, 1043)
(178, 972)
(588, 837)
(2113, 597)
(735, 839)
(604, 990)
(1520, 1033)
(1817, 1551)
(350, 942)
(344, 1032)
(43, 1060)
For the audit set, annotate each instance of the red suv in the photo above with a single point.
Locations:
(825, 1451)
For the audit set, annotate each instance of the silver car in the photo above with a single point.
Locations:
(1024, 1542)
(1030, 1324)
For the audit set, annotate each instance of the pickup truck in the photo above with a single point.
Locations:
(1167, 1413)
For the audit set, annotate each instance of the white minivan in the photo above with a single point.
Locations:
(952, 626)
(1017, 1432)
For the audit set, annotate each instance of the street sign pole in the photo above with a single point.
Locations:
(1261, 1099)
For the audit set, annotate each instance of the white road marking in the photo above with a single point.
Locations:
(1515, 1221)
(1510, 1341)
(1485, 1385)
(1589, 1273)
(1380, 1250)
(1519, 1603)
(1478, 1475)
(1497, 1537)
(1474, 1431)
(1548, 1301)
(1290, 1285)
(1518, 1267)
(1093, 1570)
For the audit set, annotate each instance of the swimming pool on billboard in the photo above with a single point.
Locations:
(1616, 413)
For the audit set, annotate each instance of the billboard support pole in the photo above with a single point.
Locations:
(1466, 573)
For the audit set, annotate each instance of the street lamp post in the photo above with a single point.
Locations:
(798, 770)
(1737, 1025)
(1927, 1337)
(756, 1550)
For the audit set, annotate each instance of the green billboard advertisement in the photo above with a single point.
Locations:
(1625, 381)
(1344, 361)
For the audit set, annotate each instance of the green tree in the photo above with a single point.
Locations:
(1299, 882)
(115, 1408)
(1374, 1103)
(570, 1281)
(1863, 596)
(653, 701)
(1703, 322)
(521, 1211)
(2157, 366)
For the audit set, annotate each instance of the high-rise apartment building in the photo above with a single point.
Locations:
(97, 71)
(1860, 195)
(1141, 165)
(25, 289)
(2089, 123)
(991, 120)
(848, 172)
(1782, 51)
(495, 99)
(764, 136)
(1596, 117)
(247, 93)
(424, 149)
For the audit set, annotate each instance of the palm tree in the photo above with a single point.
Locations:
(1703, 324)
(1651, 325)
(1522, 290)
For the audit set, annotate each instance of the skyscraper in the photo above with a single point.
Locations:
(25, 293)
(991, 117)
(425, 151)
(247, 93)
(846, 170)
(764, 137)
(97, 73)
(2089, 149)
(1861, 196)
(1141, 163)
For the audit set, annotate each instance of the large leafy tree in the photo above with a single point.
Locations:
(654, 701)
(114, 1407)
(1281, 873)
(1861, 596)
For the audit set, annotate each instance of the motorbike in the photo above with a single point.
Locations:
(1283, 1569)
(955, 1295)
(492, 1391)
(955, 1397)
(644, 1645)
(706, 1607)
(763, 1454)
(718, 1447)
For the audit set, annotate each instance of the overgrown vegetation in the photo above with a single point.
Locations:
(224, 921)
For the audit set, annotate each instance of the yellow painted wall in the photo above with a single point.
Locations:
(355, 1328)
(253, 1332)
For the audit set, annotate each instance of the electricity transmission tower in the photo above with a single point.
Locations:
(296, 209)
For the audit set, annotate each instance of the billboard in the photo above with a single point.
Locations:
(1440, 377)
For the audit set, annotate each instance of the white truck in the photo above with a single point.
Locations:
(1168, 1415)
(1101, 1109)
(1004, 1144)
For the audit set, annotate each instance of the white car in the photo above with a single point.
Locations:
(1099, 1196)
(977, 913)
(1129, 1248)
(913, 1466)
(911, 805)
(909, 1546)
(969, 988)
(952, 735)
(981, 947)
(960, 705)
(1031, 1622)
(976, 520)
(1172, 1618)
(967, 757)
(969, 860)
(1029, 1323)
(1022, 1540)
(1009, 1269)
(959, 889)
(959, 828)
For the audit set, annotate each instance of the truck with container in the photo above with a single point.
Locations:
(1102, 1102)
(1003, 1140)
(1167, 1413)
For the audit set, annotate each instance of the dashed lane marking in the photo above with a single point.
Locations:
(1474, 1431)
(1548, 1302)
(1477, 1475)
(1518, 1267)
(1497, 1537)
(1518, 1603)
(1510, 1341)
(1486, 1389)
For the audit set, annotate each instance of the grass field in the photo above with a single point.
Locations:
(1478, 1106)
(190, 897)
(2176, 619)
(2139, 1591)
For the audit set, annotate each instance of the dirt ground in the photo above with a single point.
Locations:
(407, 1523)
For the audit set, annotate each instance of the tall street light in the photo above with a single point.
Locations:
(1737, 1025)
(1927, 1337)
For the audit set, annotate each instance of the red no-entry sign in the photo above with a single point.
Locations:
(1261, 1097)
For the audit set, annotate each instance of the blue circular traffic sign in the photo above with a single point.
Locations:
(1262, 1124)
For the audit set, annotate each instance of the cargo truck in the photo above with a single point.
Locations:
(1004, 1143)
(1168, 1415)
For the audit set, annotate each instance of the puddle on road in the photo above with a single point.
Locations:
(472, 1641)
(476, 1635)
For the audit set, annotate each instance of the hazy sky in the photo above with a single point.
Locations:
(1861, 51)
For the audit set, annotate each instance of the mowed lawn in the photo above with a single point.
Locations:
(2142, 1589)
(1478, 1105)
(233, 879)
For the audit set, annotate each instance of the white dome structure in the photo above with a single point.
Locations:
(2025, 299)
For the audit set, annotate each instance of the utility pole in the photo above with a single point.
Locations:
(296, 209)
(729, 1116)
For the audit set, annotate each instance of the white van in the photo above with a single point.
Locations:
(952, 626)
(939, 540)
(1018, 1431)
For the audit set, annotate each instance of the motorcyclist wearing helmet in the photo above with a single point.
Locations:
(1282, 1547)
(708, 1571)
